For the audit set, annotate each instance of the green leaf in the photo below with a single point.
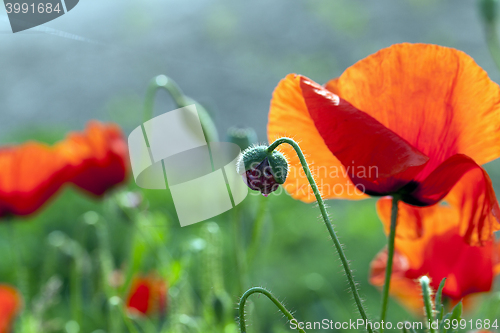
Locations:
(456, 313)
(441, 325)
(439, 305)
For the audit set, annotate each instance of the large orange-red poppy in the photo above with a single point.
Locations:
(147, 295)
(10, 304)
(31, 173)
(440, 252)
(411, 119)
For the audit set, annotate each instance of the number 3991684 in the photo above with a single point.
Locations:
(32, 8)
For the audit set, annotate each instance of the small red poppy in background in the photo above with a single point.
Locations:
(148, 295)
(440, 252)
(410, 120)
(31, 173)
(10, 304)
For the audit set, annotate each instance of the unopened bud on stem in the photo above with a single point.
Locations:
(262, 170)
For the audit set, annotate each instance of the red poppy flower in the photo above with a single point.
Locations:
(440, 252)
(31, 173)
(148, 295)
(411, 120)
(10, 304)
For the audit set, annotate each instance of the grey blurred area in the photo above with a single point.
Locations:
(96, 61)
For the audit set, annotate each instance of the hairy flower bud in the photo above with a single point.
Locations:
(244, 137)
(263, 171)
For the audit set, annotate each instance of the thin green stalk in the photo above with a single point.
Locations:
(426, 293)
(240, 264)
(328, 224)
(493, 43)
(488, 10)
(106, 268)
(243, 299)
(390, 257)
(161, 82)
(17, 259)
(22, 277)
(255, 242)
(76, 285)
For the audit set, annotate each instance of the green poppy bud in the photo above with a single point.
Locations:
(244, 137)
(263, 171)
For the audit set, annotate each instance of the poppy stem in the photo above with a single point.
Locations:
(493, 43)
(489, 12)
(390, 257)
(426, 293)
(281, 307)
(258, 225)
(181, 100)
(329, 226)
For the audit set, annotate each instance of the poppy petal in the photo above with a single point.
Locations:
(288, 117)
(32, 173)
(414, 222)
(480, 213)
(468, 269)
(436, 98)
(10, 304)
(332, 86)
(405, 290)
(472, 196)
(140, 295)
(360, 141)
(148, 295)
(101, 160)
(441, 250)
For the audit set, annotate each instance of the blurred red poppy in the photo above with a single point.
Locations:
(440, 252)
(148, 295)
(10, 304)
(31, 173)
(411, 119)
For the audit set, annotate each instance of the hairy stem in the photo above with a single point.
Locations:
(390, 257)
(426, 293)
(329, 226)
(243, 299)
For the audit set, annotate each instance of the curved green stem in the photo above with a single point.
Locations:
(162, 82)
(181, 100)
(243, 299)
(329, 225)
(390, 257)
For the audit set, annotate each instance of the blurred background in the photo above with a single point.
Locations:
(227, 55)
(96, 61)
